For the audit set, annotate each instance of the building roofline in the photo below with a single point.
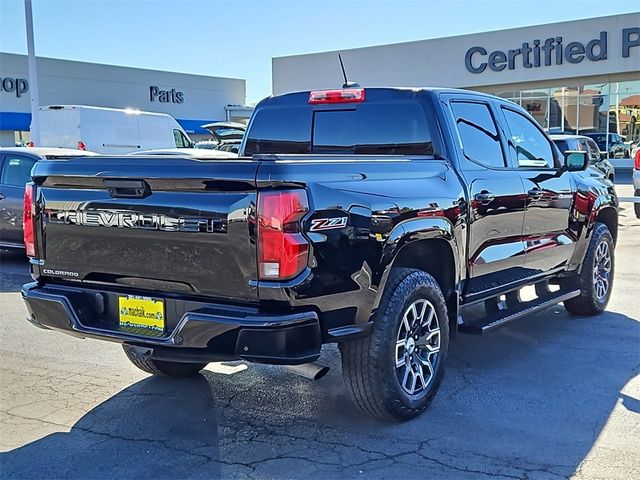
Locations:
(470, 34)
(149, 70)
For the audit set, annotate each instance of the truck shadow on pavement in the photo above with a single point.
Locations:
(526, 402)
(14, 270)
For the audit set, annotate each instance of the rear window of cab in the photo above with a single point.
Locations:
(376, 128)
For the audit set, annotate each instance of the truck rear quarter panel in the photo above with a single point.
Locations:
(387, 201)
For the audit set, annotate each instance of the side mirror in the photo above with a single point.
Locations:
(575, 161)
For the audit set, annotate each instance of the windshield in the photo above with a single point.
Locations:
(385, 128)
(229, 132)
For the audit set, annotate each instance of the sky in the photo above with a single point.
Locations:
(236, 38)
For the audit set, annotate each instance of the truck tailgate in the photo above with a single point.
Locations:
(157, 223)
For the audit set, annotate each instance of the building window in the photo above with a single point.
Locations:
(624, 110)
(607, 112)
(22, 138)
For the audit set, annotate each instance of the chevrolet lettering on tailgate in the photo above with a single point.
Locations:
(127, 219)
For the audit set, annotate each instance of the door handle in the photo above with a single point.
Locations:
(484, 197)
(535, 192)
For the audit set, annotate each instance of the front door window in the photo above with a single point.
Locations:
(532, 149)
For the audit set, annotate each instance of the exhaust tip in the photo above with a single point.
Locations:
(312, 371)
(322, 371)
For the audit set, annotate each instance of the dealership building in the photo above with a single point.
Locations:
(193, 100)
(581, 76)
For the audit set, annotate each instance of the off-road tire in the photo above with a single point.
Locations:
(163, 368)
(587, 303)
(368, 364)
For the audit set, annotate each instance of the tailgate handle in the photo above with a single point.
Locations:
(127, 188)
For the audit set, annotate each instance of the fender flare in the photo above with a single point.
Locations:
(414, 230)
(600, 203)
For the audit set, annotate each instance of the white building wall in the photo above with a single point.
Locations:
(80, 83)
(441, 62)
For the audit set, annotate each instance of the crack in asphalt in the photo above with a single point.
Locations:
(271, 432)
(245, 436)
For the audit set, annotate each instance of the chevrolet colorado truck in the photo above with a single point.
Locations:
(384, 220)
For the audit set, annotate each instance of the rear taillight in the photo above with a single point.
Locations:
(28, 219)
(636, 160)
(282, 249)
(81, 145)
(346, 95)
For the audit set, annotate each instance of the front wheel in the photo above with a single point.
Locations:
(636, 205)
(596, 276)
(163, 368)
(396, 371)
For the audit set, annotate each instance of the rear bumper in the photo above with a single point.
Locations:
(200, 332)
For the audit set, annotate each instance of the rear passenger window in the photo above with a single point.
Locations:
(16, 170)
(478, 133)
(532, 149)
(285, 130)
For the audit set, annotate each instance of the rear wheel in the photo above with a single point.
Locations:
(596, 277)
(396, 371)
(636, 206)
(161, 367)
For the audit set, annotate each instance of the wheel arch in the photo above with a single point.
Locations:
(428, 245)
(609, 216)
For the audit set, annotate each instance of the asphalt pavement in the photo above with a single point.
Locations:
(550, 396)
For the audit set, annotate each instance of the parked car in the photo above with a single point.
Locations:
(227, 135)
(15, 171)
(334, 225)
(109, 130)
(585, 144)
(618, 148)
(636, 181)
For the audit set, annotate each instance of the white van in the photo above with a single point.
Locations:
(109, 130)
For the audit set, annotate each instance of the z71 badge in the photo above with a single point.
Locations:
(318, 224)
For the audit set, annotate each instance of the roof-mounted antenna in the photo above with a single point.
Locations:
(347, 83)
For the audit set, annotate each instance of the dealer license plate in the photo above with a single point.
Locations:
(141, 315)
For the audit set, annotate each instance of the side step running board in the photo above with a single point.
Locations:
(489, 323)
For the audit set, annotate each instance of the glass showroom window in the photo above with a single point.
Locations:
(607, 112)
(21, 138)
(593, 107)
(563, 109)
(536, 102)
(624, 110)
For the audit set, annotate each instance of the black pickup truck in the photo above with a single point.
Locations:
(385, 220)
